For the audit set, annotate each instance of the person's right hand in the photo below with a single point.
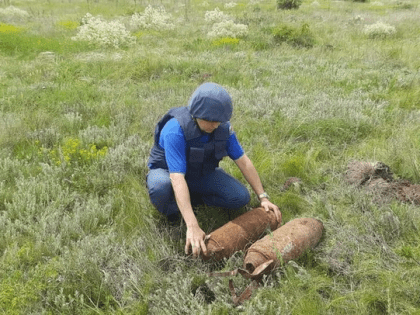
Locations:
(195, 239)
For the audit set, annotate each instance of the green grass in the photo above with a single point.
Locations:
(311, 92)
(22, 44)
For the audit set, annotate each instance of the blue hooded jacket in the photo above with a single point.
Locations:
(211, 102)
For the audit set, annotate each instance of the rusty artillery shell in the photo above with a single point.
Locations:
(289, 241)
(239, 233)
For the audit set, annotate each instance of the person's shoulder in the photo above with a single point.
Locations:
(172, 126)
(229, 126)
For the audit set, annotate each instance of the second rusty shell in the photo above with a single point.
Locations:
(239, 233)
(289, 241)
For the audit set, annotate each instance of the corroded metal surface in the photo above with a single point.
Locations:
(246, 294)
(286, 243)
(239, 233)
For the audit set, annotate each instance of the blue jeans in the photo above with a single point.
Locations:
(217, 189)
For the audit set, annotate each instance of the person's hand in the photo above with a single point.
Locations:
(195, 241)
(268, 206)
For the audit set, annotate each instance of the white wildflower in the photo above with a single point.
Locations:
(358, 18)
(377, 3)
(91, 56)
(13, 12)
(73, 118)
(379, 30)
(240, 55)
(204, 4)
(230, 5)
(117, 57)
(48, 56)
(228, 29)
(216, 16)
(156, 19)
(106, 34)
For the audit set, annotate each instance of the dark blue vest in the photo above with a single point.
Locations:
(202, 158)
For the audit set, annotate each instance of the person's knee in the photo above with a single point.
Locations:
(239, 199)
(163, 187)
(160, 189)
(244, 198)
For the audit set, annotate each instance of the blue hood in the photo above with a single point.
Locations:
(212, 102)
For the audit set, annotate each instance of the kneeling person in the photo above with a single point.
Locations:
(189, 143)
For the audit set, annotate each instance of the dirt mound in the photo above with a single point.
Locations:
(378, 179)
(360, 173)
(290, 182)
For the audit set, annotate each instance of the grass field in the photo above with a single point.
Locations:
(313, 88)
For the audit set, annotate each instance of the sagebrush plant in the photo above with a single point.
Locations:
(230, 5)
(152, 18)
(223, 25)
(82, 237)
(216, 16)
(228, 29)
(12, 12)
(379, 30)
(96, 31)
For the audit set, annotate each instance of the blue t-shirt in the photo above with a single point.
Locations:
(173, 142)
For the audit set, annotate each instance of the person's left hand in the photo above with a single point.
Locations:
(269, 206)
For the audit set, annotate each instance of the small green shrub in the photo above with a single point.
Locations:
(260, 44)
(7, 28)
(72, 152)
(404, 6)
(288, 4)
(298, 37)
(18, 294)
(226, 41)
(68, 25)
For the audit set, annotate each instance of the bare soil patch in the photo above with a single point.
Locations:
(378, 179)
